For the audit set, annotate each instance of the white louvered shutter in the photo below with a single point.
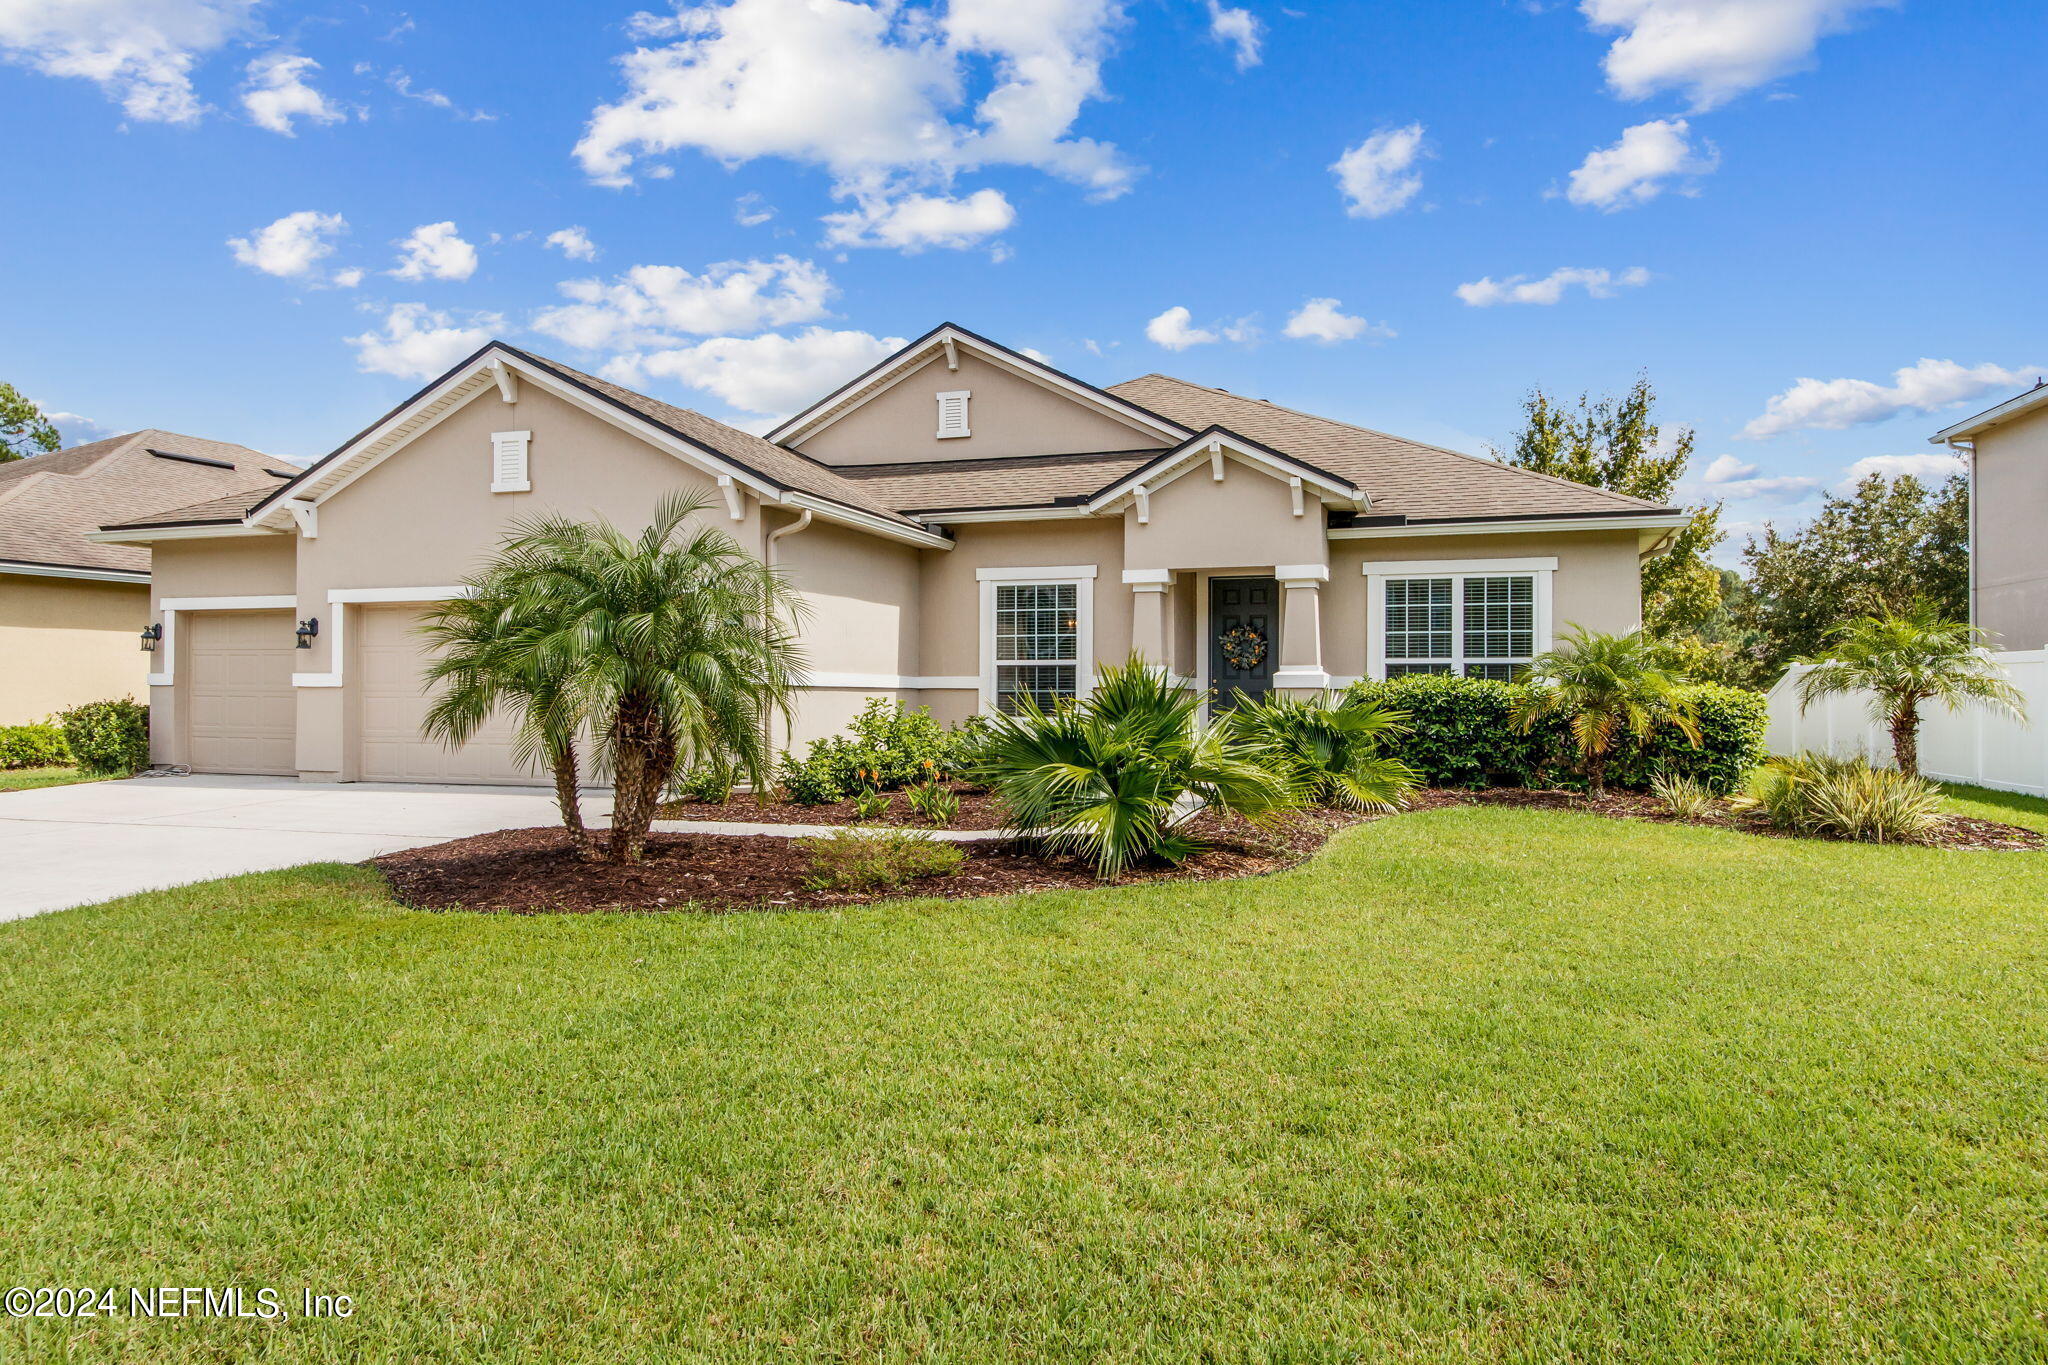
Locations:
(953, 414)
(508, 461)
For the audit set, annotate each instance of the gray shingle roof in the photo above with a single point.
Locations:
(1422, 482)
(49, 502)
(962, 485)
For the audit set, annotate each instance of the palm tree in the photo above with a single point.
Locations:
(1333, 745)
(1903, 661)
(1104, 777)
(484, 661)
(1610, 686)
(675, 643)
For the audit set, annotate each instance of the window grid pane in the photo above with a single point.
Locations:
(1419, 618)
(1037, 626)
(1481, 626)
(1500, 618)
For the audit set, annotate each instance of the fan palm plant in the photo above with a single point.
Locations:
(1905, 661)
(677, 644)
(485, 661)
(1103, 777)
(1333, 746)
(1609, 686)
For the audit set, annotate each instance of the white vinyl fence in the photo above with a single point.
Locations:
(1972, 745)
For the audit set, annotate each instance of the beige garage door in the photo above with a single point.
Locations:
(243, 716)
(390, 660)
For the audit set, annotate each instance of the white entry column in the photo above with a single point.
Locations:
(1148, 613)
(1301, 628)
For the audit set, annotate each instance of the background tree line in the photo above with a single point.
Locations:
(1886, 547)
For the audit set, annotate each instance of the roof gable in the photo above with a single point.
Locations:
(946, 344)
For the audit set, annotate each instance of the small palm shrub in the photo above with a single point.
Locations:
(1611, 687)
(1685, 797)
(869, 804)
(1905, 662)
(33, 746)
(1333, 747)
(1843, 797)
(107, 737)
(935, 803)
(867, 860)
(1104, 778)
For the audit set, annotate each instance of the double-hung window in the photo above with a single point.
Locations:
(1035, 637)
(1475, 620)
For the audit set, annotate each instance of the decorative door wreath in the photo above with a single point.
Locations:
(1244, 647)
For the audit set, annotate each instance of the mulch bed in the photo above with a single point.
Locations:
(1954, 831)
(529, 871)
(978, 810)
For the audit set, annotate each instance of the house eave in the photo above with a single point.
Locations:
(33, 569)
(1528, 525)
(2007, 411)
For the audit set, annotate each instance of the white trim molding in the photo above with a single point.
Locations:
(1291, 575)
(1540, 571)
(1532, 527)
(170, 607)
(339, 600)
(1303, 676)
(137, 576)
(1210, 446)
(889, 682)
(1145, 578)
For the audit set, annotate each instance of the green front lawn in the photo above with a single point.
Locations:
(1477, 1084)
(28, 779)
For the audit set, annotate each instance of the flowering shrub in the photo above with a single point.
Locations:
(884, 748)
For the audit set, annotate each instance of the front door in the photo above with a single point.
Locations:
(1244, 638)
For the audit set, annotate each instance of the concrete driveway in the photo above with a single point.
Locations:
(64, 846)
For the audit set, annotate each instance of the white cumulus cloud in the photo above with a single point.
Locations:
(772, 373)
(1239, 30)
(1174, 330)
(873, 93)
(1926, 385)
(291, 246)
(1599, 284)
(1733, 480)
(418, 342)
(139, 52)
(1712, 50)
(751, 210)
(649, 305)
(435, 251)
(1324, 320)
(916, 221)
(574, 243)
(1634, 170)
(277, 92)
(1929, 468)
(1377, 177)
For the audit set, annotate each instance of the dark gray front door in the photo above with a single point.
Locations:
(1244, 624)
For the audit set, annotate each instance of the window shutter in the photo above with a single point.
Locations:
(508, 461)
(953, 414)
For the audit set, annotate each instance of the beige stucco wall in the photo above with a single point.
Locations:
(67, 641)
(1248, 517)
(1006, 414)
(2012, 533)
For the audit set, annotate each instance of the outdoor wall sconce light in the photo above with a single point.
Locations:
(308, 628)
(151, 633)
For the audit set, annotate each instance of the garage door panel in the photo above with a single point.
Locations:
(242, 717)
(393, 699)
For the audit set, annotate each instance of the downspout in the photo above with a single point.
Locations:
(1971, 460)
(768, 560)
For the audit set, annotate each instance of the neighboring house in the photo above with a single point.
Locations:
(968, 525)
(2008, 455)
(72, 610)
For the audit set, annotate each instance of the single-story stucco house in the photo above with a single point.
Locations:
(72, 610)
(969, 525)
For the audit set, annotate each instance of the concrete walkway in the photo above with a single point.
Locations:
(77, 845)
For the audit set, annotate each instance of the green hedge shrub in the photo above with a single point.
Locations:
(33, 746)
(1462, 735)
(108, 737)
(884, 747)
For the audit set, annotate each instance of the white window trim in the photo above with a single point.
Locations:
(966, 425)
(1082, 576)
(1540, 570)
(524, 483)
(169, 607)
(339, 600)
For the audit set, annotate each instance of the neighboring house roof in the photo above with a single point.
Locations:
(2005, 412)
(49, 502)
(1402, 477)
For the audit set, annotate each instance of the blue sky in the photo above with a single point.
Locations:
(1814, 223)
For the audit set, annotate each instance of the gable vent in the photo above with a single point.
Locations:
(508, 461)
(953, 414)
